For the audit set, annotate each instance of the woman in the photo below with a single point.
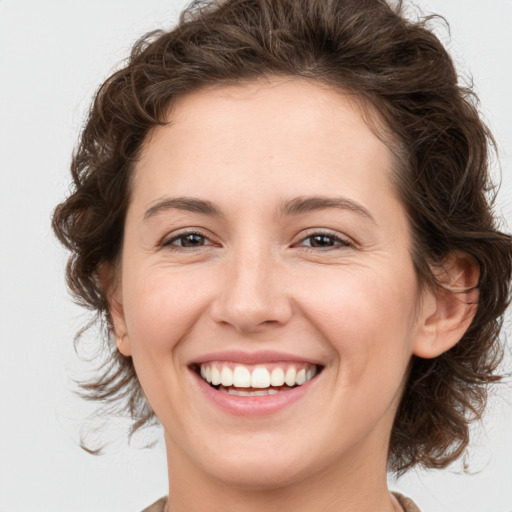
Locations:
(280, 210)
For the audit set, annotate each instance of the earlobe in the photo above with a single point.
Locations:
(119, 326)
(449, 310)
(111, 285)
(123, 345)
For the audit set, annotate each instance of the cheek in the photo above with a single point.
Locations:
(368, 319)
(160, 308)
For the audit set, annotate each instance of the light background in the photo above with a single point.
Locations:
(53, 55)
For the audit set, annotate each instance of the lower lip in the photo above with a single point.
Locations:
(252, 405)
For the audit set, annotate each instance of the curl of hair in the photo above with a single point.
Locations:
(396, 66)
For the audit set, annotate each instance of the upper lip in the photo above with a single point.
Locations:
(259, 357)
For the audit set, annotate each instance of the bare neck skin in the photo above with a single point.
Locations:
(355, 484)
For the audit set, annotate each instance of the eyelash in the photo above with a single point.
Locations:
(168, 244)
(337, 241)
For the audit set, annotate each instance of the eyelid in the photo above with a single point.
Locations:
(168, 239)
(343, 240)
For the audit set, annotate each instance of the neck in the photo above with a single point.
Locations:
(354, 485)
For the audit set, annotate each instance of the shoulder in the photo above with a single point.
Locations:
(158, 506)
(406, 503)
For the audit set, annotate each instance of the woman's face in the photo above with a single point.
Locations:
(264, 237)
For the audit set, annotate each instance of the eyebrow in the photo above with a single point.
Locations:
(295, 206)
(300, 205)
(188, 204)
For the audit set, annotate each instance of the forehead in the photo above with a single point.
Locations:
(262, 142)
(305, 100)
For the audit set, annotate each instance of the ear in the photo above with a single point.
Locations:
(111, 284)
(447, 312)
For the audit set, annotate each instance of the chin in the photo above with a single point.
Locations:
(264, 465)
(258, 475)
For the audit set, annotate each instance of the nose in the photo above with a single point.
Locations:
(253, 293)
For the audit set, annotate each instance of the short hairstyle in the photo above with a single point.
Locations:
(393, 65)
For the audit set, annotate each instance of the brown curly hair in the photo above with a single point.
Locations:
(396, 66)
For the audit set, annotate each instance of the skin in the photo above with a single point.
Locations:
(253, 281)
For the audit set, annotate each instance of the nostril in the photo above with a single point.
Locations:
(252, 300)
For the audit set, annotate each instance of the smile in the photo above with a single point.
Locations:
(256, 380)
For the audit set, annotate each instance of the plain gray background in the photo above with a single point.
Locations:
(53, 55)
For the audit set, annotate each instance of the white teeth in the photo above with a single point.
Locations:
(216, 380)
(290, 376)
(237, 392)
(226, 376)
(277, 377)
(240, 392)
(301, 377)
(263, 392)
(310, 373)
(259, 378)
(241, 377)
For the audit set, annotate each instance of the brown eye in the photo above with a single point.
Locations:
(324, 241)
(187, 240)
